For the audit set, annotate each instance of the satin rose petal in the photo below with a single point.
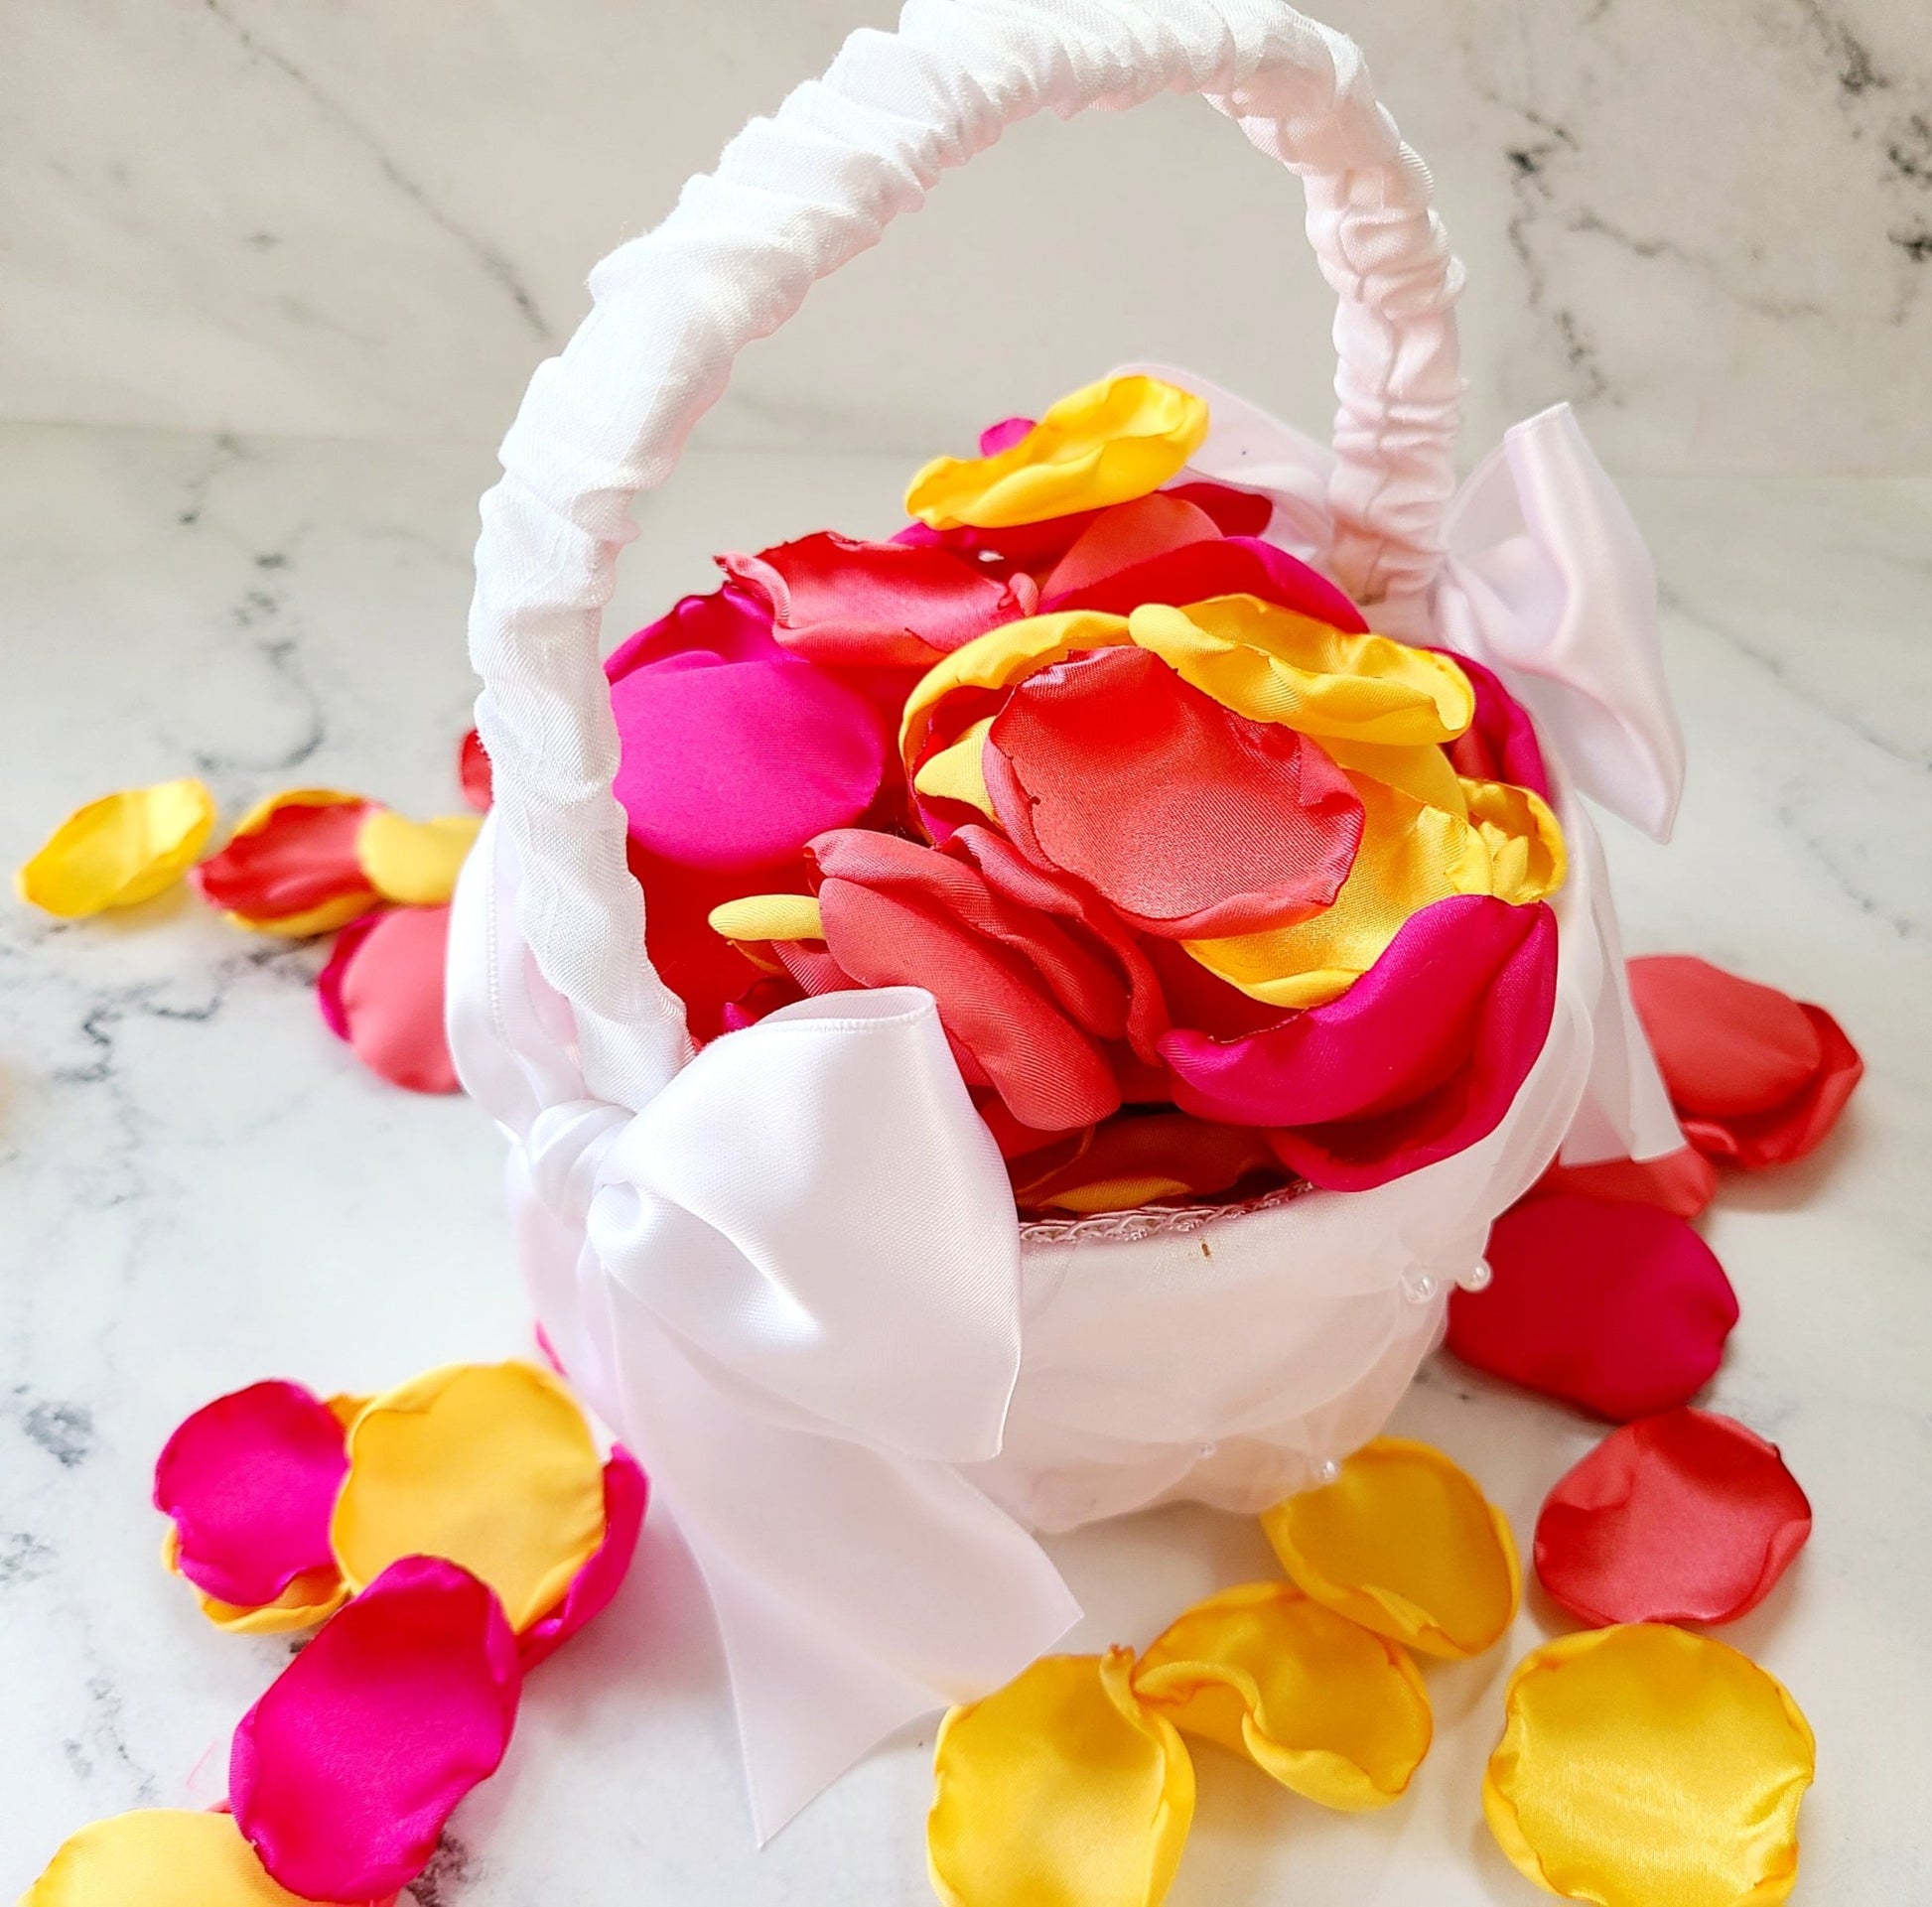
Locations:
(382, 992)
(490, 1465)
(1404, 1543)
(415, 863)
(1004, 435)
(343, 1775)
(1682, 1517)
(290, 867)
(1757, 1078)
(1141, 1158)
(249, 1482)
(1500, 743)
(730, 625)
(1127, 536)
(157, 1858)
(1683, 1182)
(837, 601)
(1646, 1766)
(310, 1599)
(472, 772)
(1106, 443)
(1619, 1308)
(122, 849)
(1323, 1706)
(737, 764)
(1062, 1790)
(1527, 858)
(627, 1495)
(1188, 819)
(1198, 570)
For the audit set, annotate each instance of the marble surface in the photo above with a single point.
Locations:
(200, 1187)
(1710, 223)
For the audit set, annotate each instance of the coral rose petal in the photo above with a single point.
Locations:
(249, 1482)
(382, 992)
(472, 772)
(1198, 570)
(158, 1858)
(122, 849)
(626, 1493)
(1726, 1045)
(1404, 1543)
(1683, 1182)
(739, 765)
(490, 1465)
(1127, 535)
(1188, 818)
(1139, 1158)
(414, 863)
(290, 867)
(1682, 1517)
(1323, 1706)
(1619, 1308)
(846, 603)
(343, 1774)
(1756, 1141)
(1062, 1788)
(1646, 1765)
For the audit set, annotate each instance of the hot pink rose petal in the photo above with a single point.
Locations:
(343, 1774)
(1500, 743)
(739, 765)
(382, 992)
(1004, 435)
(1621, 1308)
(1682, 1517)
(848, 604)
(626, 1493)
(728, 626)
(473, 772)
(249, 1482)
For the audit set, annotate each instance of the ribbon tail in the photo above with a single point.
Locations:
(855, 1589)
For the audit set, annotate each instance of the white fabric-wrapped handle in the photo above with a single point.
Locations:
(792, 198)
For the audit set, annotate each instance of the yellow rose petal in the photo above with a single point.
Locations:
(958, 772)
(119, 850)
(769, 916)
(1405, 1544)
(1059, 1791)
(306, 1603)
(1645, 1766)
(1106, 443)
(490, 1465)
(1327, 1709)
(1527, 858)
(415, 863)
(157, 1858)
(1272, 664)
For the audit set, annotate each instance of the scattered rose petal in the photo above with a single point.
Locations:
(122, 849)
(1647, 1765)
(1682, 1517)
(414, 863)
(382, 992)
(1621, 1308)
(472, 772)
(1062, 1788)
(249, 1482)
(1329, 1709)
(309, 1601)
(158, 1858)
(1683, 1182)
(490, 1465)
(1757, 1078)
(290, 867)
(343, 1774)
(1404, 1543)
(626, 1493)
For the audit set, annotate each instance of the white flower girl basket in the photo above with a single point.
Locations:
(788, 1271)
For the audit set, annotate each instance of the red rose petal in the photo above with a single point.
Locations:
(473, 772)
(848, 604)
(1682, 1517)
(382, 992)
(249, 1482)
(1683, 1182)
(343, 1775)
(1127, 534)
(1623, 1309)
(1235, 565)
(626, 1493)
(301, 857)
(1189, 820)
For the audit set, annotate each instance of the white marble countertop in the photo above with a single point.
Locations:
(202, 1189)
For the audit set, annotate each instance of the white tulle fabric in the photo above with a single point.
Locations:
(787, 1270)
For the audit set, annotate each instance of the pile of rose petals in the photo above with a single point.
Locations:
(300, 864)
(447, 1536)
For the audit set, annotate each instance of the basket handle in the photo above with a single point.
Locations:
(794, 198)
